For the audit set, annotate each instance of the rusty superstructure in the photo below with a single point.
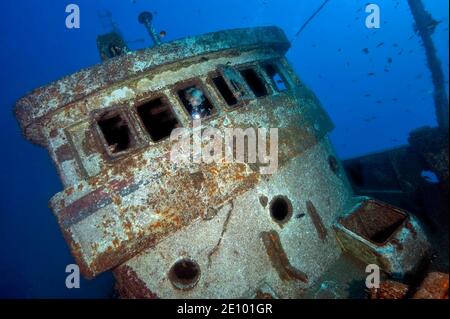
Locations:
(205, 230)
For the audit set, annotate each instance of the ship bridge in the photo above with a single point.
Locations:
(203, 229)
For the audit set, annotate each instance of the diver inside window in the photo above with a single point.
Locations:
(199, 106)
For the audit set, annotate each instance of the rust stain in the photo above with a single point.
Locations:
(263, 295)
(32, 109)
(198, 179)
(209, 213)
(410, 227)
(434, 286)
(84, 207)
(279, 259)
(53, 133)
(398, 245)
(317, 220)
(76, 251)
(389, 290)
(130, 286)
(64, 153)
(177, 197)
(88, 145)
(69, 191)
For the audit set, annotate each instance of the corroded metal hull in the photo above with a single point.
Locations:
(137, 212)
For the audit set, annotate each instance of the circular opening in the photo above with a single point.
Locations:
(333, 163)
(281, 209)
(184, 274)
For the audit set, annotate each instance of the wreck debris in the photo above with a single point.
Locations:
(434, 286)
(389, 289)
(378, 233)
(123, 197)
(375, 222)
(279, 259)
(425, 26)
(126, 206)
(317, 220)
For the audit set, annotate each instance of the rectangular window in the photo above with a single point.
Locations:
(277, 79)
(226, 93)
(116, 132)
(234, 82)
(254, 81)
(158, 118)
(196, 102)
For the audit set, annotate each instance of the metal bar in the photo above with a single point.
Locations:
(425, 26)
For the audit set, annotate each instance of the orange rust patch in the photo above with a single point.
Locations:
(279, 259)
(317, 220)
(69, 191)
(435, 286)
(389, 290)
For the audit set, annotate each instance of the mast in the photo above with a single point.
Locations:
(424, 27)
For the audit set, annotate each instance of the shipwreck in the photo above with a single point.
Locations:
(206, 230)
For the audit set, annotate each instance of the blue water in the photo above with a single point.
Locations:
(37, 48)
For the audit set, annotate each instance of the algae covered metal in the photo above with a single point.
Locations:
(202, 229)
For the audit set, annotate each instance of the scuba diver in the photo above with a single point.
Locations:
(196, 100)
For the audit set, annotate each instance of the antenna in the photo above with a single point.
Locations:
(424, 26)
(146, 18)
(309, 20)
